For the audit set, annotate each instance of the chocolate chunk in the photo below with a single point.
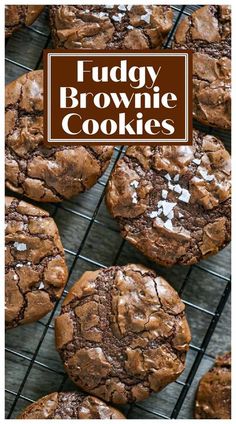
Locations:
(208, 33)
(42, 173)
(36, 271)
(17, 16)
(213, 399)
(110, 27)
(193, 219)
(68, 406)
(122, 333)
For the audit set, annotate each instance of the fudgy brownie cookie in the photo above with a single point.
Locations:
(208, 33)
(110, 27)
(36, 270)
(173, 202)
(69, 406)
(213, 399)
(17, 16)
(42, 173)
(122, 333)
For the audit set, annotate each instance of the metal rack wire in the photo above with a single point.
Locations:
(75, 255)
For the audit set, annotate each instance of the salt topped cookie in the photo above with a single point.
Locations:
(110, 26)
(173, 202)
(36, 271)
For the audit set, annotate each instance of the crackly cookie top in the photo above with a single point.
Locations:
(68, 406)
(36, 271)
(42, 173)
(208, 33)
(213, 399)
(110, 27)
(17, 16)
(173, 202)
(122, 333)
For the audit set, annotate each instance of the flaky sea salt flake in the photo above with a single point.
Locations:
(167, 177)
(170, 215)
(153, 214)
(21, 247)
(168, 224)
(118, 17)
(41, 285)
(134, 184)
(164, 194)
(185, 196)
(205, 174)
(146, 18)
(177, 188)
(176, 177)
(167, 207)
(102, 15)
(170, 186)
(197, 161)
(134, 198)
(122, 7)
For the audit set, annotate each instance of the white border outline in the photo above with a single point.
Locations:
(118, 140)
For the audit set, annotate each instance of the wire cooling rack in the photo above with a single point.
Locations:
(91, 239)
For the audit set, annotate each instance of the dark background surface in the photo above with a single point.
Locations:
(91, 240)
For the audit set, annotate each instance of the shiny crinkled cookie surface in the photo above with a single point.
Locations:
(68, 406)
(122, 333)
(36, 271)
(17, 16)
(207, 32)
(110, 27)
(173, 202)
(41, 173)
(213, 398)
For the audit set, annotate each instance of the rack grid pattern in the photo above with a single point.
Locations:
(77, 254)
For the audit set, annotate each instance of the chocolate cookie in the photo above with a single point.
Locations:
(208, 33)
(36, 270)
(122, 333)
(42, 173)
(17, 16)
(110, 27)
(213, 399)
(173, 202)
(68, 406)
